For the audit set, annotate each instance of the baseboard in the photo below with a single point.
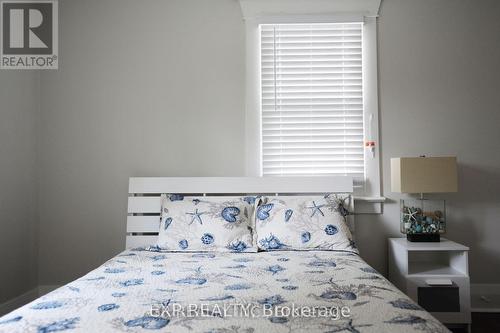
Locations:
(46, 288)
(487, 288)
(18, 301)
(25, 298)
(485, 297)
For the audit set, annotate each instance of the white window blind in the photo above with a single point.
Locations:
(312, 99)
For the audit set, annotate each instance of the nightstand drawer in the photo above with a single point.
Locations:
(449, 303)
(439, 298)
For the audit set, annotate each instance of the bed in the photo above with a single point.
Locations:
(280, 291)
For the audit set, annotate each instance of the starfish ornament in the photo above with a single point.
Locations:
(411, 214)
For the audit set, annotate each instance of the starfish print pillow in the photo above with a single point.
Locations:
(303, 223)
(206, 224)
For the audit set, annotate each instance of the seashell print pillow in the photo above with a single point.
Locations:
(303, 223)
(206, 224)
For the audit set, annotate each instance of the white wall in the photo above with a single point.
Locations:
(157, 88)
(18, 182)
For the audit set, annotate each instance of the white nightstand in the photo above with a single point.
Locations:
(435, 275)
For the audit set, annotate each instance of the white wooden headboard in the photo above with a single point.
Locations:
(144, 195)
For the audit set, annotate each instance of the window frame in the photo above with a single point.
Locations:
(369, 191)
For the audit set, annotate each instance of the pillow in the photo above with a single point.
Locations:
(303, 223)
(206, 224)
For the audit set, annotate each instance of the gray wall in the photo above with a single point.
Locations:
(157, 88)
(439, 73)
(18, 182)
(144, 89)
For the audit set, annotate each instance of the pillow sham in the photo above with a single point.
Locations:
(206, 224)
(303, 223)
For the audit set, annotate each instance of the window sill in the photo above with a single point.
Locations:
(368, 205)
(369, 199)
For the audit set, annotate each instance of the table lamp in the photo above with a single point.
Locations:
(423, 220)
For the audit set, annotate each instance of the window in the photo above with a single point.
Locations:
(312, 100)
(312, 95)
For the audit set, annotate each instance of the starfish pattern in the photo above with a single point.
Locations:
(316, 208)
(196, 216)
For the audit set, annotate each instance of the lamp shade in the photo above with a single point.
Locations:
(424, 174)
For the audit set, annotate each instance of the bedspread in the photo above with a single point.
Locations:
(286, 291)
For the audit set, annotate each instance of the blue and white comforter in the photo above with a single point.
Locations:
(138, 291)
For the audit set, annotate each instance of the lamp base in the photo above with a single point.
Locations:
(423, 237)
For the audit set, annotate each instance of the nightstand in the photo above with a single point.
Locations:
(435, 275)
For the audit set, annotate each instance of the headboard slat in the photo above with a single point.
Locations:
(139, 240)
(144, 205)
(240, 184)
(142, 223)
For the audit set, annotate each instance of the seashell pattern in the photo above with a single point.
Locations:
(148, 323)
(263, 211)
(230, 214)
(331, 229)
(207, 239)
(271, 243)
(183, 244)
(238, 246)
(305, 237)
(168, 221)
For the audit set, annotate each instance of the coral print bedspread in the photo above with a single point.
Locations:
(286, 291)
